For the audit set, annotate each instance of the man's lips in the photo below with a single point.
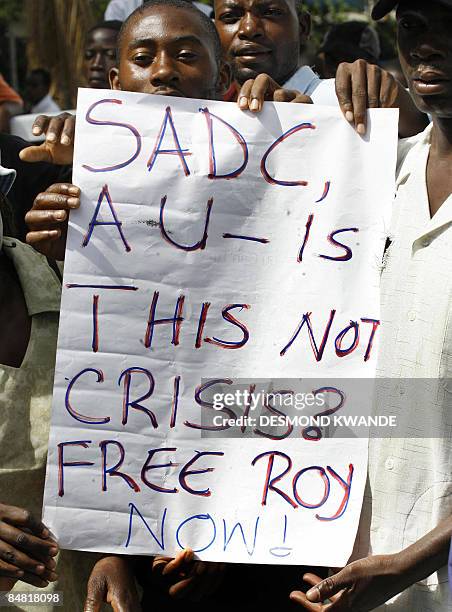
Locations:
(251, 52)
(429, 82)
(97, 76)
(167, 91)
(94, 80)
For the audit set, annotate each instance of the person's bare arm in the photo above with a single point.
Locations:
(366, 584)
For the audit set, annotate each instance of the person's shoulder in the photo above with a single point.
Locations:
(56, 108)
(306, 81)
(408, 148)
(10, 146)
(39, 281)
(46, 105)
(121, 9)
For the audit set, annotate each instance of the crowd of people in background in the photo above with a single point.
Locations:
(346, 41)
(247, 52)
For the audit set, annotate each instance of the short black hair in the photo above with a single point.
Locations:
(113, 24)
(44, 76)
(299, 6)
(186, 5)
(352, 40)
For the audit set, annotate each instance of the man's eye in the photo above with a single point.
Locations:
(89, 55)
(409, 23)
(229, 17)
(111, 54)
(186, 55)
(272, 12)
(142, 58)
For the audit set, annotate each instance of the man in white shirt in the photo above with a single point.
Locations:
(37, 92)
(261, 37)
(406, 522)
(266, 37)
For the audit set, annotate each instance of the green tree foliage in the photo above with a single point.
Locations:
(99, 7)
(10, 10)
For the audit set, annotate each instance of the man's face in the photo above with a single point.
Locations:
(100, 57)
(261, 36)
(35, 90)
(425, 51)
(168, 52)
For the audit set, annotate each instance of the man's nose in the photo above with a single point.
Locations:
(250, 27)
(428, 50)
(162, 69)
(98, 61)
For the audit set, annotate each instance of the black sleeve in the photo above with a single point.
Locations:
(31, 178)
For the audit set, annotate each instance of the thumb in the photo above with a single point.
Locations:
(183, 557)
(123, 603)
(117, 606)
(94, 596)
(35, 154)
(302, 99)
(328, 587)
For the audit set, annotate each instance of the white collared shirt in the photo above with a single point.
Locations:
(46, 105)
(410, 479)
(307, 82)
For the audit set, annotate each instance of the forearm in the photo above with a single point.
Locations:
(428, 554)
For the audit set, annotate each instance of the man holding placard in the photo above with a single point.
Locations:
(267, 38)
(199, 73)
(408, 511)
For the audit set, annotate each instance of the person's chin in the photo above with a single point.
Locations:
(438, 104)
(442, 109)
(98, 84)
(243, 73)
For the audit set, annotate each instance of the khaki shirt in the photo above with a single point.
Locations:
(25, 402)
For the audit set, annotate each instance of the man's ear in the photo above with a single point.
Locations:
(113, 77)
(224, 78)
(304, 23)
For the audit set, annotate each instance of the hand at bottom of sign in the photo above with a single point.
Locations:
(360, 586)
(185, 578)
(26, 549)
(112, 581)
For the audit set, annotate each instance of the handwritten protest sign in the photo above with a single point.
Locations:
(212, 247)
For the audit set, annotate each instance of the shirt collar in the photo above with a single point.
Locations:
(415, 163)
(7, 178)
(41, 287)
(304, 80)
(415, 147)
